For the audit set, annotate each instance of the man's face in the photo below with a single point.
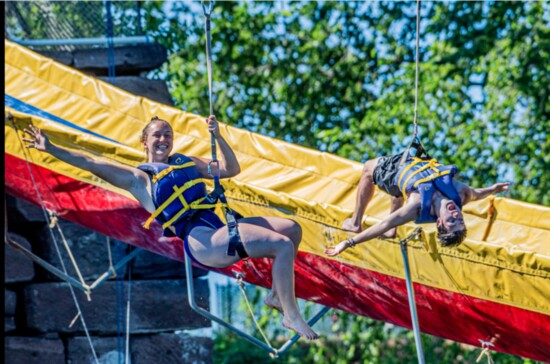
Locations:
(451, 217)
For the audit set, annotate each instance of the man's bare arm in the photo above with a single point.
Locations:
(402, 216)
(470, 194)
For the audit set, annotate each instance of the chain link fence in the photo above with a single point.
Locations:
(68, 25)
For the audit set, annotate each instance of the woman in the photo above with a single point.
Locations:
(205, 236)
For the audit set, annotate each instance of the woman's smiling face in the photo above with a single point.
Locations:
(159, 141)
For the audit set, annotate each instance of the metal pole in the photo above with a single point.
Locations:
(295, 338)
(272, 351)
(208, 315)
(410, 294)
(84, 41)
(47, 266)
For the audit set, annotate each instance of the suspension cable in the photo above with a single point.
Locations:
(416, 69)
(128, 300)
(415, 142)
(207, 10)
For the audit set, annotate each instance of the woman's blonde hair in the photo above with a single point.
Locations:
(145, 131)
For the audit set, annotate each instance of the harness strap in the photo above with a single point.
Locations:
(235, 244)
(418, 147)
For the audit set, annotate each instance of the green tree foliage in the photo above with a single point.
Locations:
(339, 77)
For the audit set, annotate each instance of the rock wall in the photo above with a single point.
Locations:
(41, 323)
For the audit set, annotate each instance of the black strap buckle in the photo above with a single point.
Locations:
(235, 244)
(233, 233)
(420, 152)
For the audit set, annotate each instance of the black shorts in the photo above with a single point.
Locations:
(384, 174)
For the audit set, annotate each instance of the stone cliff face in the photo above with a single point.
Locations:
(40, 313)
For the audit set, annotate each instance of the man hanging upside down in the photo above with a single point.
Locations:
(432, 192)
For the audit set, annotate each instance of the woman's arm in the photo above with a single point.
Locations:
(131, 179)
(227, 163)
(405, 214)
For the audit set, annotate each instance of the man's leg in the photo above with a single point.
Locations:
(365, 190)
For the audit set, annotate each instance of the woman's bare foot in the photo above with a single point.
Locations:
(301, 327)
(273, 301)
(349, 225)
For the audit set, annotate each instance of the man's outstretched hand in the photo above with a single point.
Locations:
(337, 249)
(500, 187)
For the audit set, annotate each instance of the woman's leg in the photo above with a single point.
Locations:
(288, 228)
(283, 226)
(365, 190)
(210, 248)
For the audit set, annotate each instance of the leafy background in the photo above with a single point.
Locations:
(339, 77)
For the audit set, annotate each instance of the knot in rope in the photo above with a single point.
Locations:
(53, 219)
(485, 345)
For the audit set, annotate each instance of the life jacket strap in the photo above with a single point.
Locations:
(178, 193)
(166, 171)
(431, 164)
(431, 177)
(195, 205)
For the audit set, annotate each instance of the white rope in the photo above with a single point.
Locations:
(55, 222)
(485, 345)
(250, 310)
(75, 299)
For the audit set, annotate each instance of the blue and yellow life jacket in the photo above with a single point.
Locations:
(426, 176)
(177, 190)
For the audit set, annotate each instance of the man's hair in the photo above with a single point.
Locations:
(448, 239)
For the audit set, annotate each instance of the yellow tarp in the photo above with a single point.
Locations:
(511, 266)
